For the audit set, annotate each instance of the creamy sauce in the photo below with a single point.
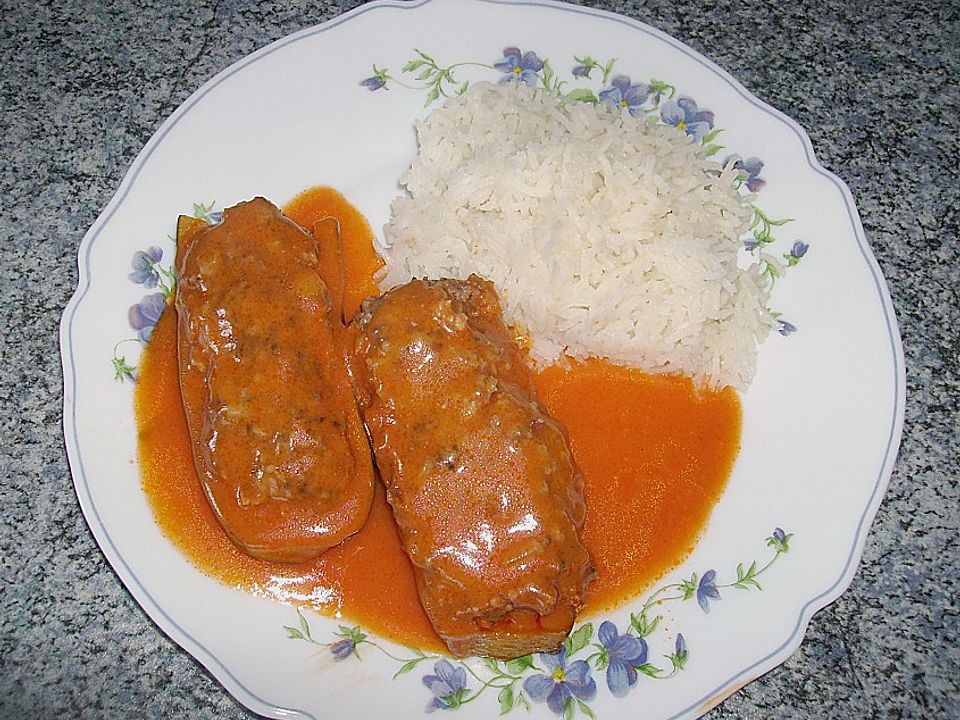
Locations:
(655, 456)
(654, 451)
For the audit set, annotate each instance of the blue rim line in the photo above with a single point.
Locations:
(816, 603)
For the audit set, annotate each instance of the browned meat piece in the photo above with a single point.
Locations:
(482, 484)
(277, 438)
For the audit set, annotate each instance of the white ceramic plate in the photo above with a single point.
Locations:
(822, 420)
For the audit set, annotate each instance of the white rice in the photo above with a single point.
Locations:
(605, 235)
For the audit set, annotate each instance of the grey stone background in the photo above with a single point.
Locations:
(83, 85)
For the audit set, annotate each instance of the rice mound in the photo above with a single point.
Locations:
(605, 235)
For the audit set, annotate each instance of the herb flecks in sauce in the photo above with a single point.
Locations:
(655, 455)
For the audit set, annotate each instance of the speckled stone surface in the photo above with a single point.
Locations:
(84, 85)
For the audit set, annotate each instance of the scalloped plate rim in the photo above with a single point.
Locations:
(223, 674)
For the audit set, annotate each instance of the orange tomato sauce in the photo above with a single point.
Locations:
(654, 451)
(655, 456)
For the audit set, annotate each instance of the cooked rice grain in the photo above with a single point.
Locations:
(606, 235)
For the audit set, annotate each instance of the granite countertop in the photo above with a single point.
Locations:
(84, 85)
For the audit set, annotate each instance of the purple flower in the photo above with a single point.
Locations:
(798, 250)
(680, 655)
(684, 115)
(623, 94)
(707, 590)
(751, 244)
(145, 314)
(519, 66)
(752, 167)
(144, 266)
(779, 539)
(624, 654)
(374, 82)
(786, 328)
(448, 685)
(343, 648)
(581, 71)
(561, 682)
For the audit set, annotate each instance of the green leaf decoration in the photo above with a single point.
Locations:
(505, 698)
(304, 627)
(658, 86)
(607, 69)
(711, 135)
(122, 370)
(781, 546)
(407, 667)
(354, 633)
(677, 660)
(747, 578)
(579, 639)
(601, 659)
(582, 95)
(492, 664)
(648, 669)
(293, 633)
(569, 709)
(585, 709)
(202, 212)
(517, 665)
(642, 626)
(426, 57)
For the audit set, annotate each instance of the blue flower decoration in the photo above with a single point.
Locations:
(519, 66)
(780, 539)
(373, 83)
(145, 266)
(684, 115)
(561, 682)
(707, 590)
(680, 648)
(624, 654)
(448, 685)
(751, 244)
(146, 313)
(343, 649)
(751, 167)
(786, 328)
(623, 94)
(581, 71)
(798, 250)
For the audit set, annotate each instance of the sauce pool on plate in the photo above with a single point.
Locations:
(655, 453)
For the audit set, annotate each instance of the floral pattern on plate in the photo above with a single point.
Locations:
(149, 270)
(593, 81)
(591, 658)
(656, 100)
(566, 680)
